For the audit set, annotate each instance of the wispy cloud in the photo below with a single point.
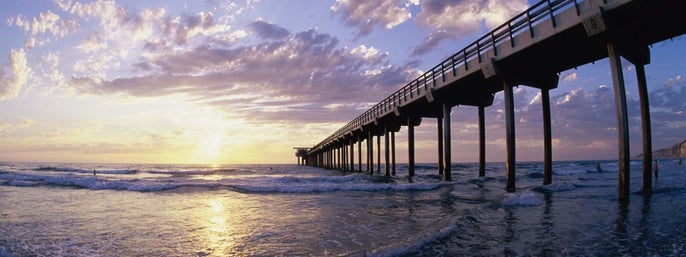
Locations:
(459, 18)
(367, 15)
(14, 74)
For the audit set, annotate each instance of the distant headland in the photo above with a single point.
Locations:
(675, 151)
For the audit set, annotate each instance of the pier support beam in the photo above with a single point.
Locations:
(410, 147)
(352, 154)
(393, 153)
(387, 152)
(447, 165)
(370, 153)
(339, 158)
(378, 154)
(622, 121)
(482, 142)
(547, 139)
(359, 154)
(647, 134)
(439, 126)
(510, 135)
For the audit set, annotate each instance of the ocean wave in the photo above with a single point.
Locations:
(355, 182)
(265, 184)
(75, 170)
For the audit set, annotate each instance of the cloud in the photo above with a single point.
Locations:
(458, 18)
(366, 15)
(570, 77)
(295, 75)
(269, 31)
(14, 75)
(8, 128)
(45, 23)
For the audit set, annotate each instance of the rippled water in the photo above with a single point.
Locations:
(267, 210)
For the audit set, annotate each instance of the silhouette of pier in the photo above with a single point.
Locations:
(530, 49)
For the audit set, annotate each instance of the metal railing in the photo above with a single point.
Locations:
(536, 14)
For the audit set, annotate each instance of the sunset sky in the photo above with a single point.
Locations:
(244, 81)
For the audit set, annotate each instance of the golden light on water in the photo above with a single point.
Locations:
(216, 233)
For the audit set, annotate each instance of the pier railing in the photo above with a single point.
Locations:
(525, 21)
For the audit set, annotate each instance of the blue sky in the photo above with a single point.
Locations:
(244, 81)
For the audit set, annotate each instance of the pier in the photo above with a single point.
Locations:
(530, 49)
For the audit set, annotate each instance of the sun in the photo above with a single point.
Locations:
(211, 149)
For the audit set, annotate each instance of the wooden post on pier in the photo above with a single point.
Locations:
(647, 134)
(547, 139)
(482, 142)
(622, 121)
(387, 152)
(439, 126)
(510, 136)
(393, 153)
(447, 164)
(410, 147)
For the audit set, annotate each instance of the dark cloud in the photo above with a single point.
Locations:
(269, 31)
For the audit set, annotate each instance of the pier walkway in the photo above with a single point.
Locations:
(530, 49)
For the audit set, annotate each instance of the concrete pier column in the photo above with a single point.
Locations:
(410, 147)
(482, 142)
(370, 153)
(622, 121)
(447, 162)
(338, 158)
(352, 154)
(387, 153)
(647, 134)
(510, 136)
(378, 154)
(439, 126)
(359, 154)
(346, 155)
(547, 139)
(393, 153)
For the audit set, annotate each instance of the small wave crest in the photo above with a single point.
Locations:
(262, 184)
(555, 187)
(318, 184)
(522, 199)
(567, 172)
(74, 170)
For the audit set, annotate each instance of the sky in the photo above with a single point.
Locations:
(224, 82)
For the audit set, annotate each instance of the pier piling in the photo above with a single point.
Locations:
(510, 135)
(622, 120)
(482, 142)
(447, 164)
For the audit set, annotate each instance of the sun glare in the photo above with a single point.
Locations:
(211, 148)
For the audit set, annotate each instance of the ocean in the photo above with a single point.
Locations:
(57, 209)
